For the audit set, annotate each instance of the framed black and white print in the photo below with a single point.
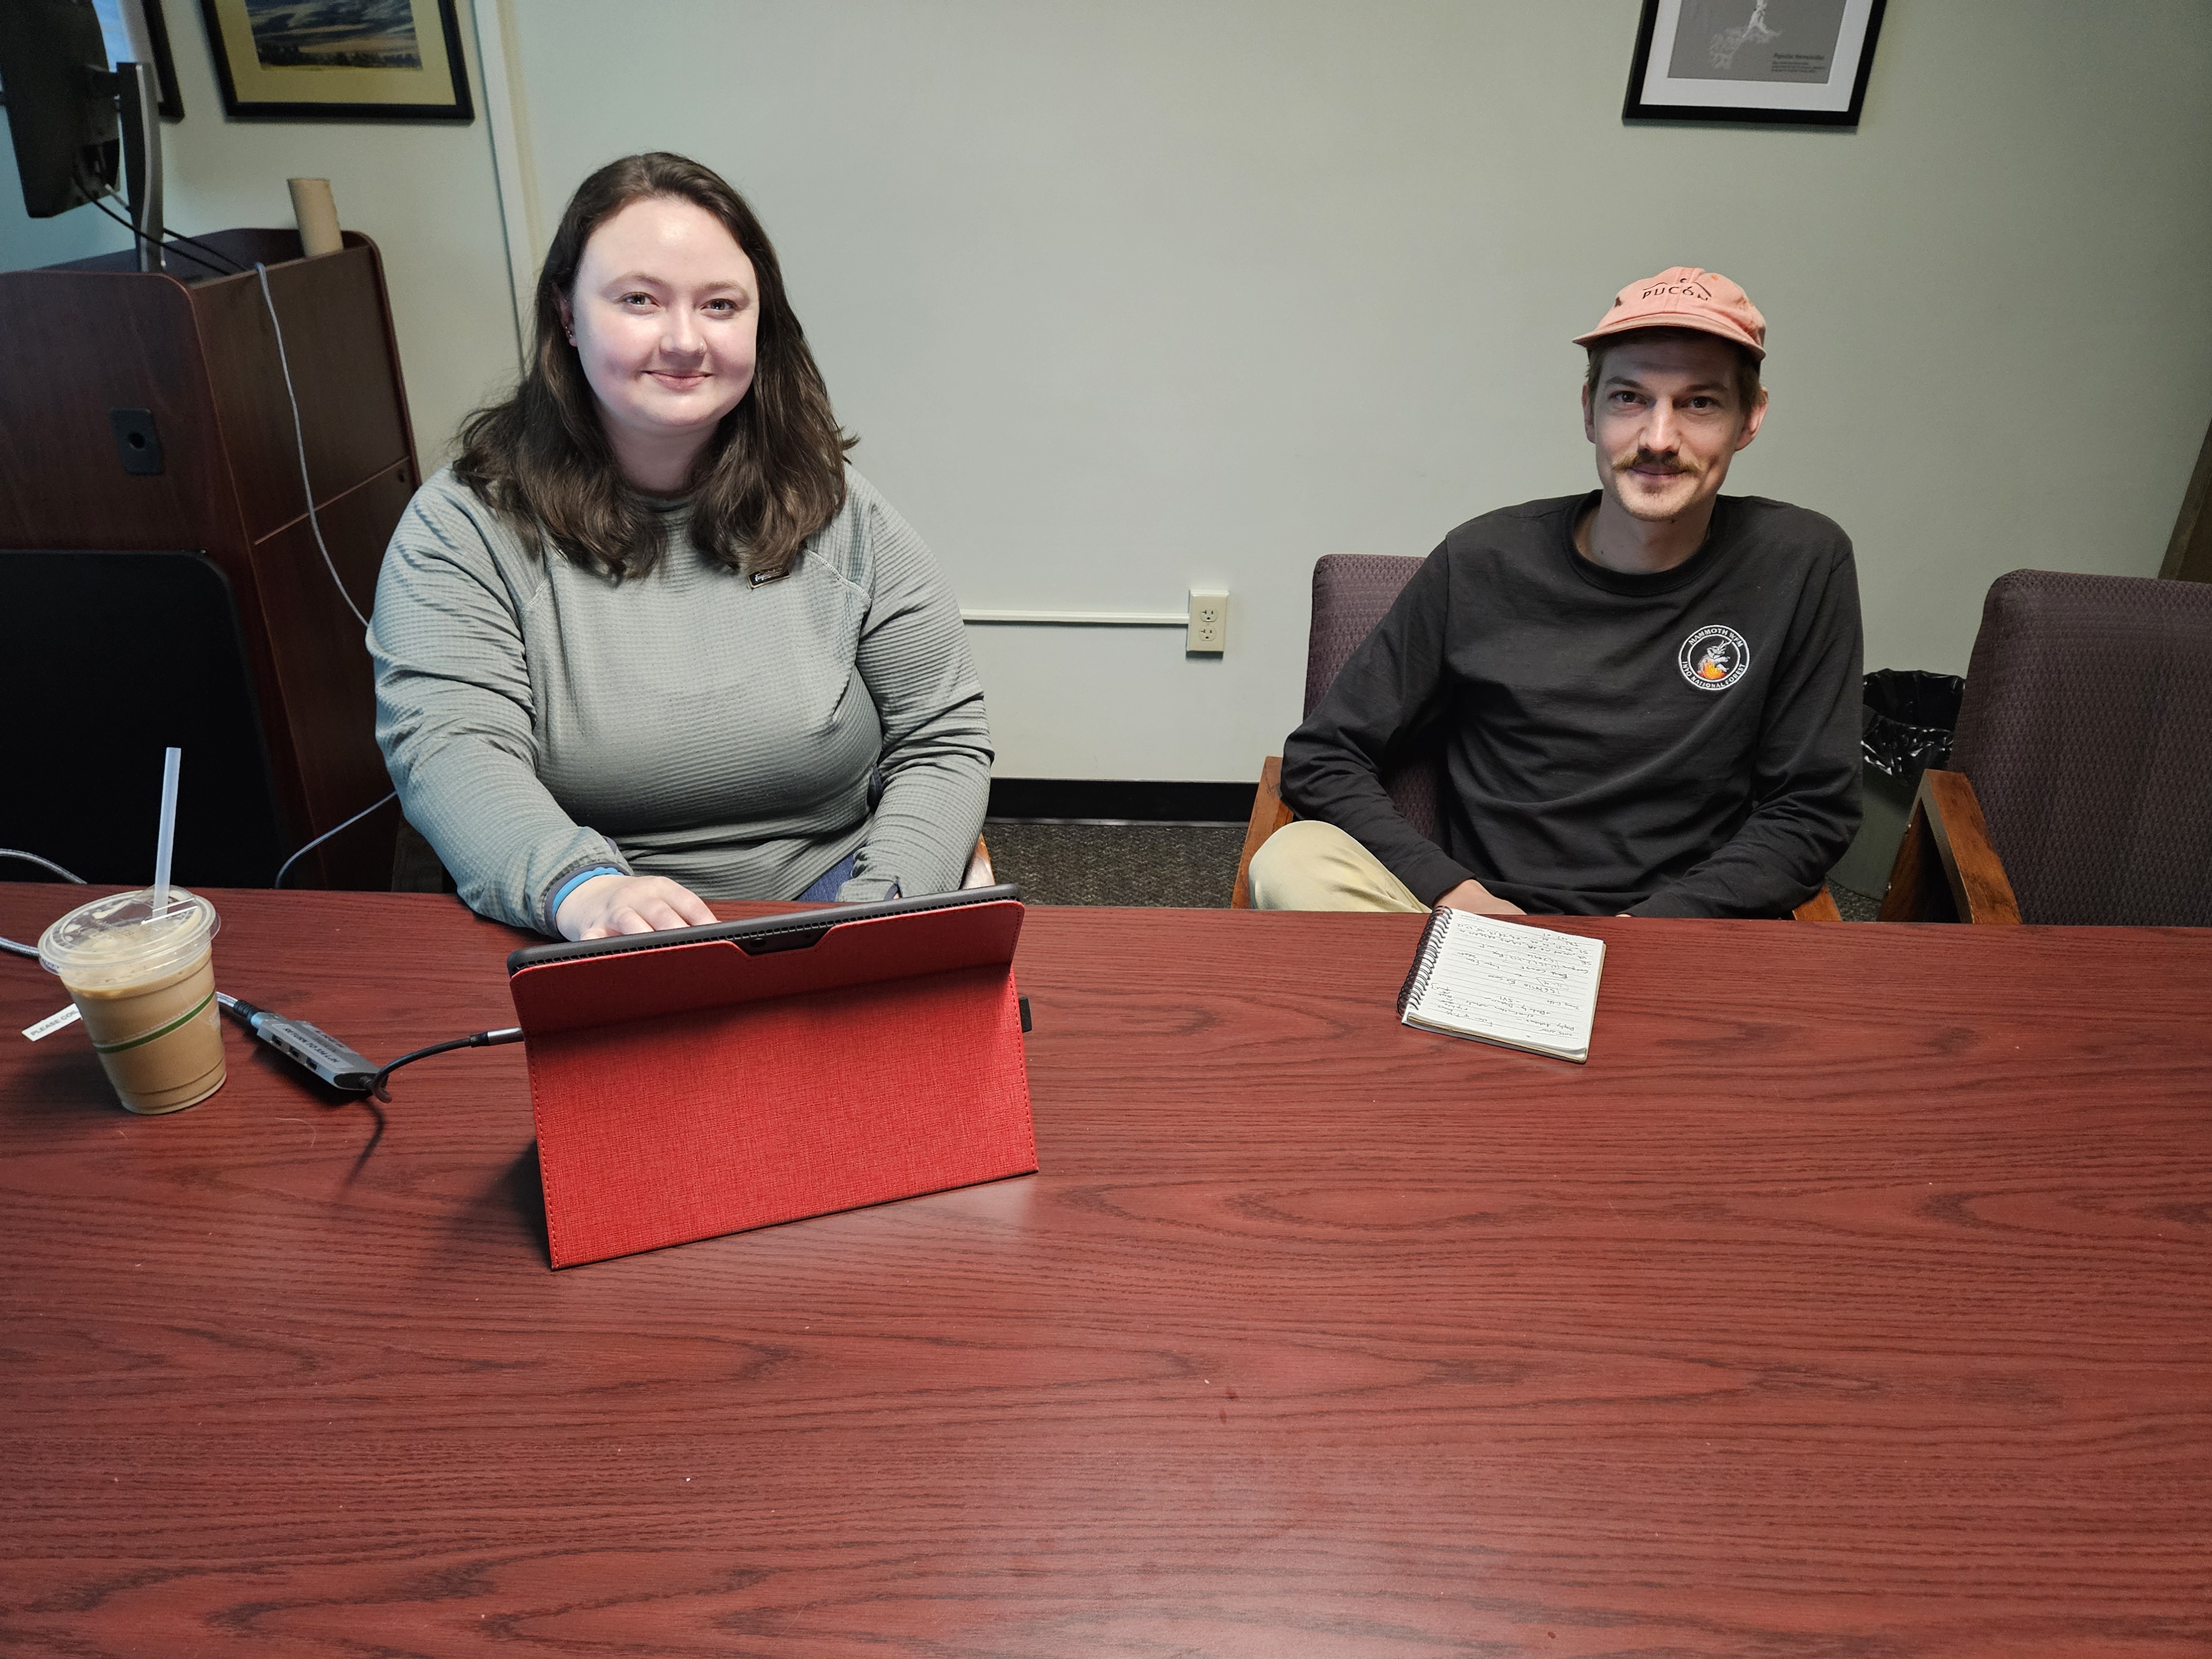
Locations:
(1778, 63)
(339, 60)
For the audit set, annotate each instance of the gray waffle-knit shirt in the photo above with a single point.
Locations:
(539, 718)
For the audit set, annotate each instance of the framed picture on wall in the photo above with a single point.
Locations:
(339, 60)
(1778, 63)
(135, 32)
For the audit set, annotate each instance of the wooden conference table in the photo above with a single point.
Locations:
(1855, 1299)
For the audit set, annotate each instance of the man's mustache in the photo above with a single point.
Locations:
(1671, 463)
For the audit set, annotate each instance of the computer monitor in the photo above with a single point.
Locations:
(64, 105)
(61, 103)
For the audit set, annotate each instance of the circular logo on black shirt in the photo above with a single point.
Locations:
(1714, 657)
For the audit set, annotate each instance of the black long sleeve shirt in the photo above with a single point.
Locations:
(1679, 744)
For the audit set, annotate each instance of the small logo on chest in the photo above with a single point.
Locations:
(1714, 657)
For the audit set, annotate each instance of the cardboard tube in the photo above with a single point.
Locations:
(318, 215)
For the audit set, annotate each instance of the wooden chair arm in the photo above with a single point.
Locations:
(1269, 815)
(1947, 867)
(979, 872)
(1821, 906)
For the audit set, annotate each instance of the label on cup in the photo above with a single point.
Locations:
(52, 1023)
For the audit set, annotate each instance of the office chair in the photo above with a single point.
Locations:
(2076, 789)
(106, 659)
(1350, 592)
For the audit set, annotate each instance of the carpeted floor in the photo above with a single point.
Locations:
(1856, 907)
(1190, 866)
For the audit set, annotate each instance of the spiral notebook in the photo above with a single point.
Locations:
(1504, 982)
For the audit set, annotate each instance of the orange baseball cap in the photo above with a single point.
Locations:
(1683, 296)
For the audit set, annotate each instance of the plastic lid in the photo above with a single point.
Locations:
(118, 938)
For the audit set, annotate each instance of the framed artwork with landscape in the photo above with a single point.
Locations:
(1776, 63)
(339, 60)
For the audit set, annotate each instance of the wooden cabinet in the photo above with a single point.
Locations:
(80, 342)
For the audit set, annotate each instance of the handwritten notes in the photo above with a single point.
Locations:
(1504, 982)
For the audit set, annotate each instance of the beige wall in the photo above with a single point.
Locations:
(425, 192)
(1127, 295)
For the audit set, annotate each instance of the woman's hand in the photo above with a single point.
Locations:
(1467, 896)
(611, 904)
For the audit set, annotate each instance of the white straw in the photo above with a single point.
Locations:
(168, 843)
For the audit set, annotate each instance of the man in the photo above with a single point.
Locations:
(1647, 698)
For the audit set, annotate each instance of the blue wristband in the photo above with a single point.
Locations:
(553, 904)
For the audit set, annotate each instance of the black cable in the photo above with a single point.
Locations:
(208, 255)
(227, 267)
(9, 944)
(44, 864)
(480, 1040)
(284, 869)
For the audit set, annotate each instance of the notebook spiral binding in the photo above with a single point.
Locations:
(1424, 960)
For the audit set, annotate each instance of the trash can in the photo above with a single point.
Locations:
(1906, 728)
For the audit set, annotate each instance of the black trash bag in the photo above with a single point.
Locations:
(1909, 717)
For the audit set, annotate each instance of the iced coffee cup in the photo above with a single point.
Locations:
(144, 983)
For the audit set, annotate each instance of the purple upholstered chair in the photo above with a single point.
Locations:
(2078, 788)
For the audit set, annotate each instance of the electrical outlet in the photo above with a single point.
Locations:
(1209, 622)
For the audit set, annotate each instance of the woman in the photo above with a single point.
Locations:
(649, 638)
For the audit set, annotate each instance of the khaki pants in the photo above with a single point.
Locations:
(1311, 865)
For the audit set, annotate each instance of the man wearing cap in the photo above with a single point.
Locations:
(1647, 697)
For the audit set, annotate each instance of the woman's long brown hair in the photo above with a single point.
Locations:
(772, 475)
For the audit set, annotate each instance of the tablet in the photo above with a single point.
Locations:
(756, 935)
(700, 1081)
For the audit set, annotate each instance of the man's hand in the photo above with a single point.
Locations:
(1467, 896)
(606, 905)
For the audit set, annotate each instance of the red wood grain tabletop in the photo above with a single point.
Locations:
(1855, 1299)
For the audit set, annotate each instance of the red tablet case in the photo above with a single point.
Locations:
(694, 1089)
